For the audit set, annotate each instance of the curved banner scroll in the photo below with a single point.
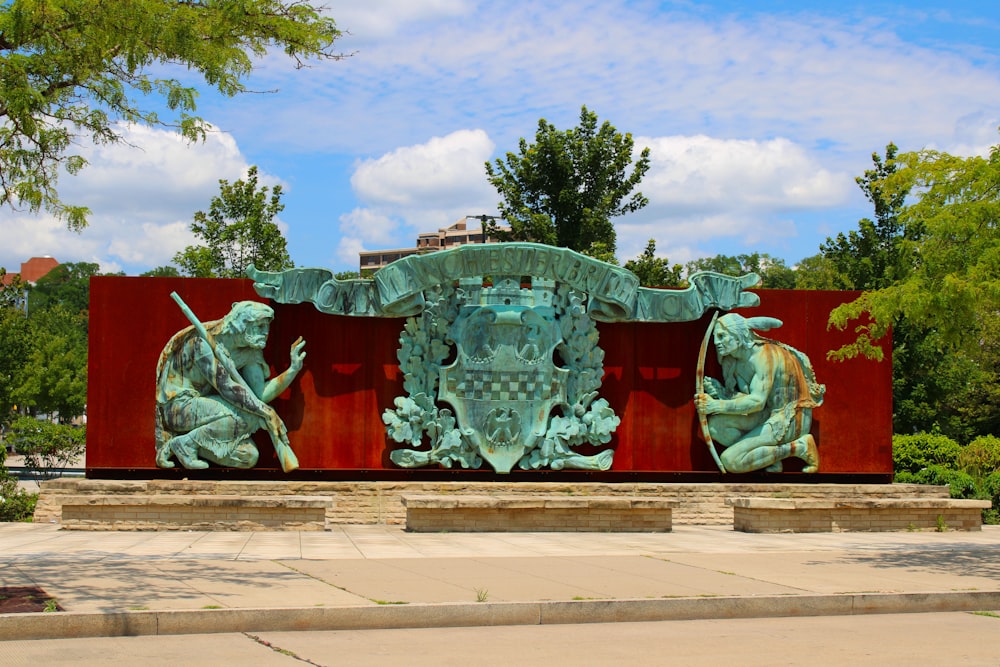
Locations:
(397, 289)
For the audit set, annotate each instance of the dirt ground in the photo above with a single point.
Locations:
(24, 599)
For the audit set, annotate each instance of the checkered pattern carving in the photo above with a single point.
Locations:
(492, 385)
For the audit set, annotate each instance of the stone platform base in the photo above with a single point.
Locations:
(784, 515)
(521, 513)
(381, 502)
(193, 512)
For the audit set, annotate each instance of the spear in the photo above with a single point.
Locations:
(699, 388)
(286, 456)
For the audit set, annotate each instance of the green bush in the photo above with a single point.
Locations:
(15, 504)
(47, 447)
(912, 453)
(981, 457)
(990, 488)
(960, 483)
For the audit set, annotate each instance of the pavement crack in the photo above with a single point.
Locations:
(282, 651)
(329, 583)
(308, 574)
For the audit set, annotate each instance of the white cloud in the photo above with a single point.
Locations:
(702, 173)
(142, 195)
(348, 251)
(852, 84)
(443, 168)
(368, 226)
(700, 188)
(384, 18)
(416, 189)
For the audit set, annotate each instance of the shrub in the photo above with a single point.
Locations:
(960, 483)
(912, 453)
(981, 457)
(45, 446)
(991, 488)
(15, 504)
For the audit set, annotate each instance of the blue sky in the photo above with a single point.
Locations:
(759, 115)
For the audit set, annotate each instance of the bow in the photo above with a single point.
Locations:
(699, 388)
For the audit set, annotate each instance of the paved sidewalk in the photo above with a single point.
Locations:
(359, 577)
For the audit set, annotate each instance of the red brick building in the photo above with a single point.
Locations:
(32, 270)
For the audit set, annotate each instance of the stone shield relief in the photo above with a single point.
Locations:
(519, 366)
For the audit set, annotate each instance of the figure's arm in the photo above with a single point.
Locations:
(741, 403)
(745, 404)
(274, 387)
(240, 394)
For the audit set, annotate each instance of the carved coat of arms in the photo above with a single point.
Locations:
(520, 367)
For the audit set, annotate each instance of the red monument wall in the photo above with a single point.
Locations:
(333, 410)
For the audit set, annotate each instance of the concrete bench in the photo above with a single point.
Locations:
(194, 512)
(533, 513)
(787, 515)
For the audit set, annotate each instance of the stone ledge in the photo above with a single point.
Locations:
(526, 513)
(860, 503)
(199, 501)
(193, 512)
(774, 515)
(451, 501)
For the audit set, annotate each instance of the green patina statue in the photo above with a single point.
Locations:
(213, 391)
(761, 411)
(499, 353)
(504, 383)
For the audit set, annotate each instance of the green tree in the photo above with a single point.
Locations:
(15, 346)
(564, 188)
(773, 271)
(49, 372)
(12, 292)
(54, 375)
(934, 389)
(818, 272)
(78, 68)
(654, 271)
(237, 231)
(873, 257)
(952, 242)
(161, 272)
(67, 285)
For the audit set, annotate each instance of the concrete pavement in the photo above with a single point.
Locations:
(366, 577)
(884, 640)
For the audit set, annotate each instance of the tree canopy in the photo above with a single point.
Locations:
(653, 271)
(43, 352)
(237, 231)
(773, 272)
(564, 188)
(67, 285)
(871, 257)
(15, 346)
(71, 69)
(951, 241)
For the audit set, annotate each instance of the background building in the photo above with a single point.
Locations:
(446, 237)
(32, 270)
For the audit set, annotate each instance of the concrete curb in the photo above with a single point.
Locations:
(65, 625)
